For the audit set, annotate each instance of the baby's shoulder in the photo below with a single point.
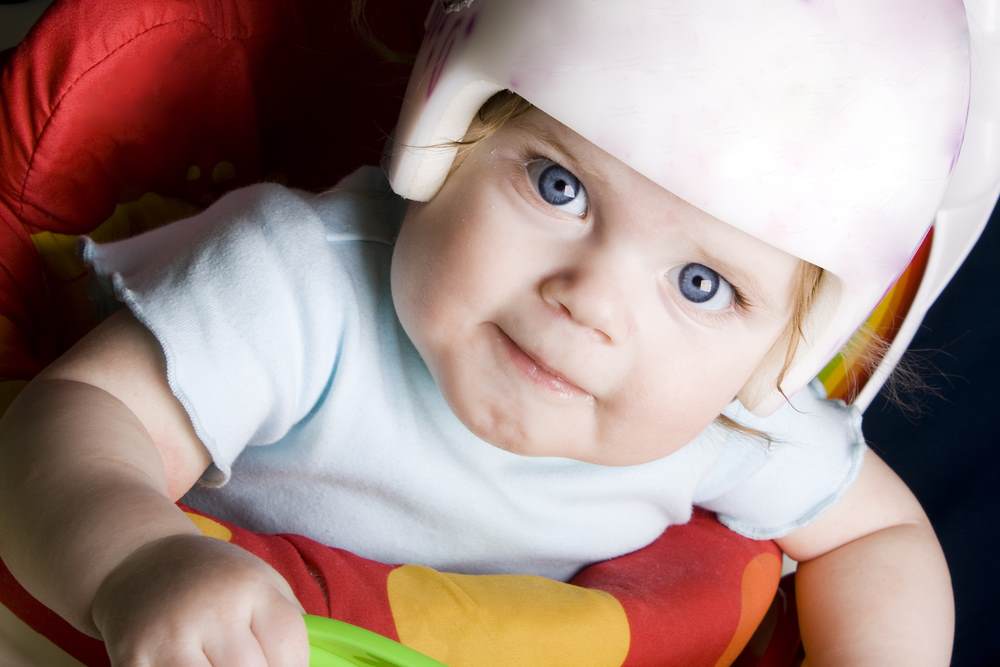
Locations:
(361, 207)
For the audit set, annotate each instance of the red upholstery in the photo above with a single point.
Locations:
(105, 101)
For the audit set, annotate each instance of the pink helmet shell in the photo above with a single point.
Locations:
(826, 128)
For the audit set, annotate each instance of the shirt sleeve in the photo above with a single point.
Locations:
(767, 490)
(240, 298)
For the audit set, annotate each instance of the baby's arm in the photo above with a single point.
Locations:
(872, 584)
(93, 454)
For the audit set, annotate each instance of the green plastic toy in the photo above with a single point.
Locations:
(338, 644)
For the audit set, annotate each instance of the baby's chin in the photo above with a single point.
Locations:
(507, 412)
(563, 440)
(569, 439)
(502, 422)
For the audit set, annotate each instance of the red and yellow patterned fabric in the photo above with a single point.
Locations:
(693, 597)
(120, 115)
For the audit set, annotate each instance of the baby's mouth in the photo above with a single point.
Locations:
(537, 371)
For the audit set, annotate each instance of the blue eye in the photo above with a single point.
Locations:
(558, 186)
(703, 287)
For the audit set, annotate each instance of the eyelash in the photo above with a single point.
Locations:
(741, 304)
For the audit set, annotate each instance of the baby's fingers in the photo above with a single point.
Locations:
(238, 648)
(194, 659)
(281, 632)
(172, 656)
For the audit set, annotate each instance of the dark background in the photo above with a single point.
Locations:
(948, 455)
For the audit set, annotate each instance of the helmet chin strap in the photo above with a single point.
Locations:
(760, 394)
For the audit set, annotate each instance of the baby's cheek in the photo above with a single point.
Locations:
(414, 277)
(666, 408)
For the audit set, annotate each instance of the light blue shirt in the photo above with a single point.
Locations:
(275, 316)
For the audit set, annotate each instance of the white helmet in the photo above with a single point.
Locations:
(828, 129)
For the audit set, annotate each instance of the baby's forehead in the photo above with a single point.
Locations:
(538, 125)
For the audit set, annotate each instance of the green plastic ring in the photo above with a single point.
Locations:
(337, 644)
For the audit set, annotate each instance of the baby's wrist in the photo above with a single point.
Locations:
(125, 578)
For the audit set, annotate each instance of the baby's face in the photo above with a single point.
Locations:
(568, 306)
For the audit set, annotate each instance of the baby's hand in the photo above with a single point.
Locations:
(189, 600)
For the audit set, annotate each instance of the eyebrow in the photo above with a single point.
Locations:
(545, 136)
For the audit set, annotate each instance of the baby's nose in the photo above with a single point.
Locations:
(591, 299)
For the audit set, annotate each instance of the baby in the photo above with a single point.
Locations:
(583, 322)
